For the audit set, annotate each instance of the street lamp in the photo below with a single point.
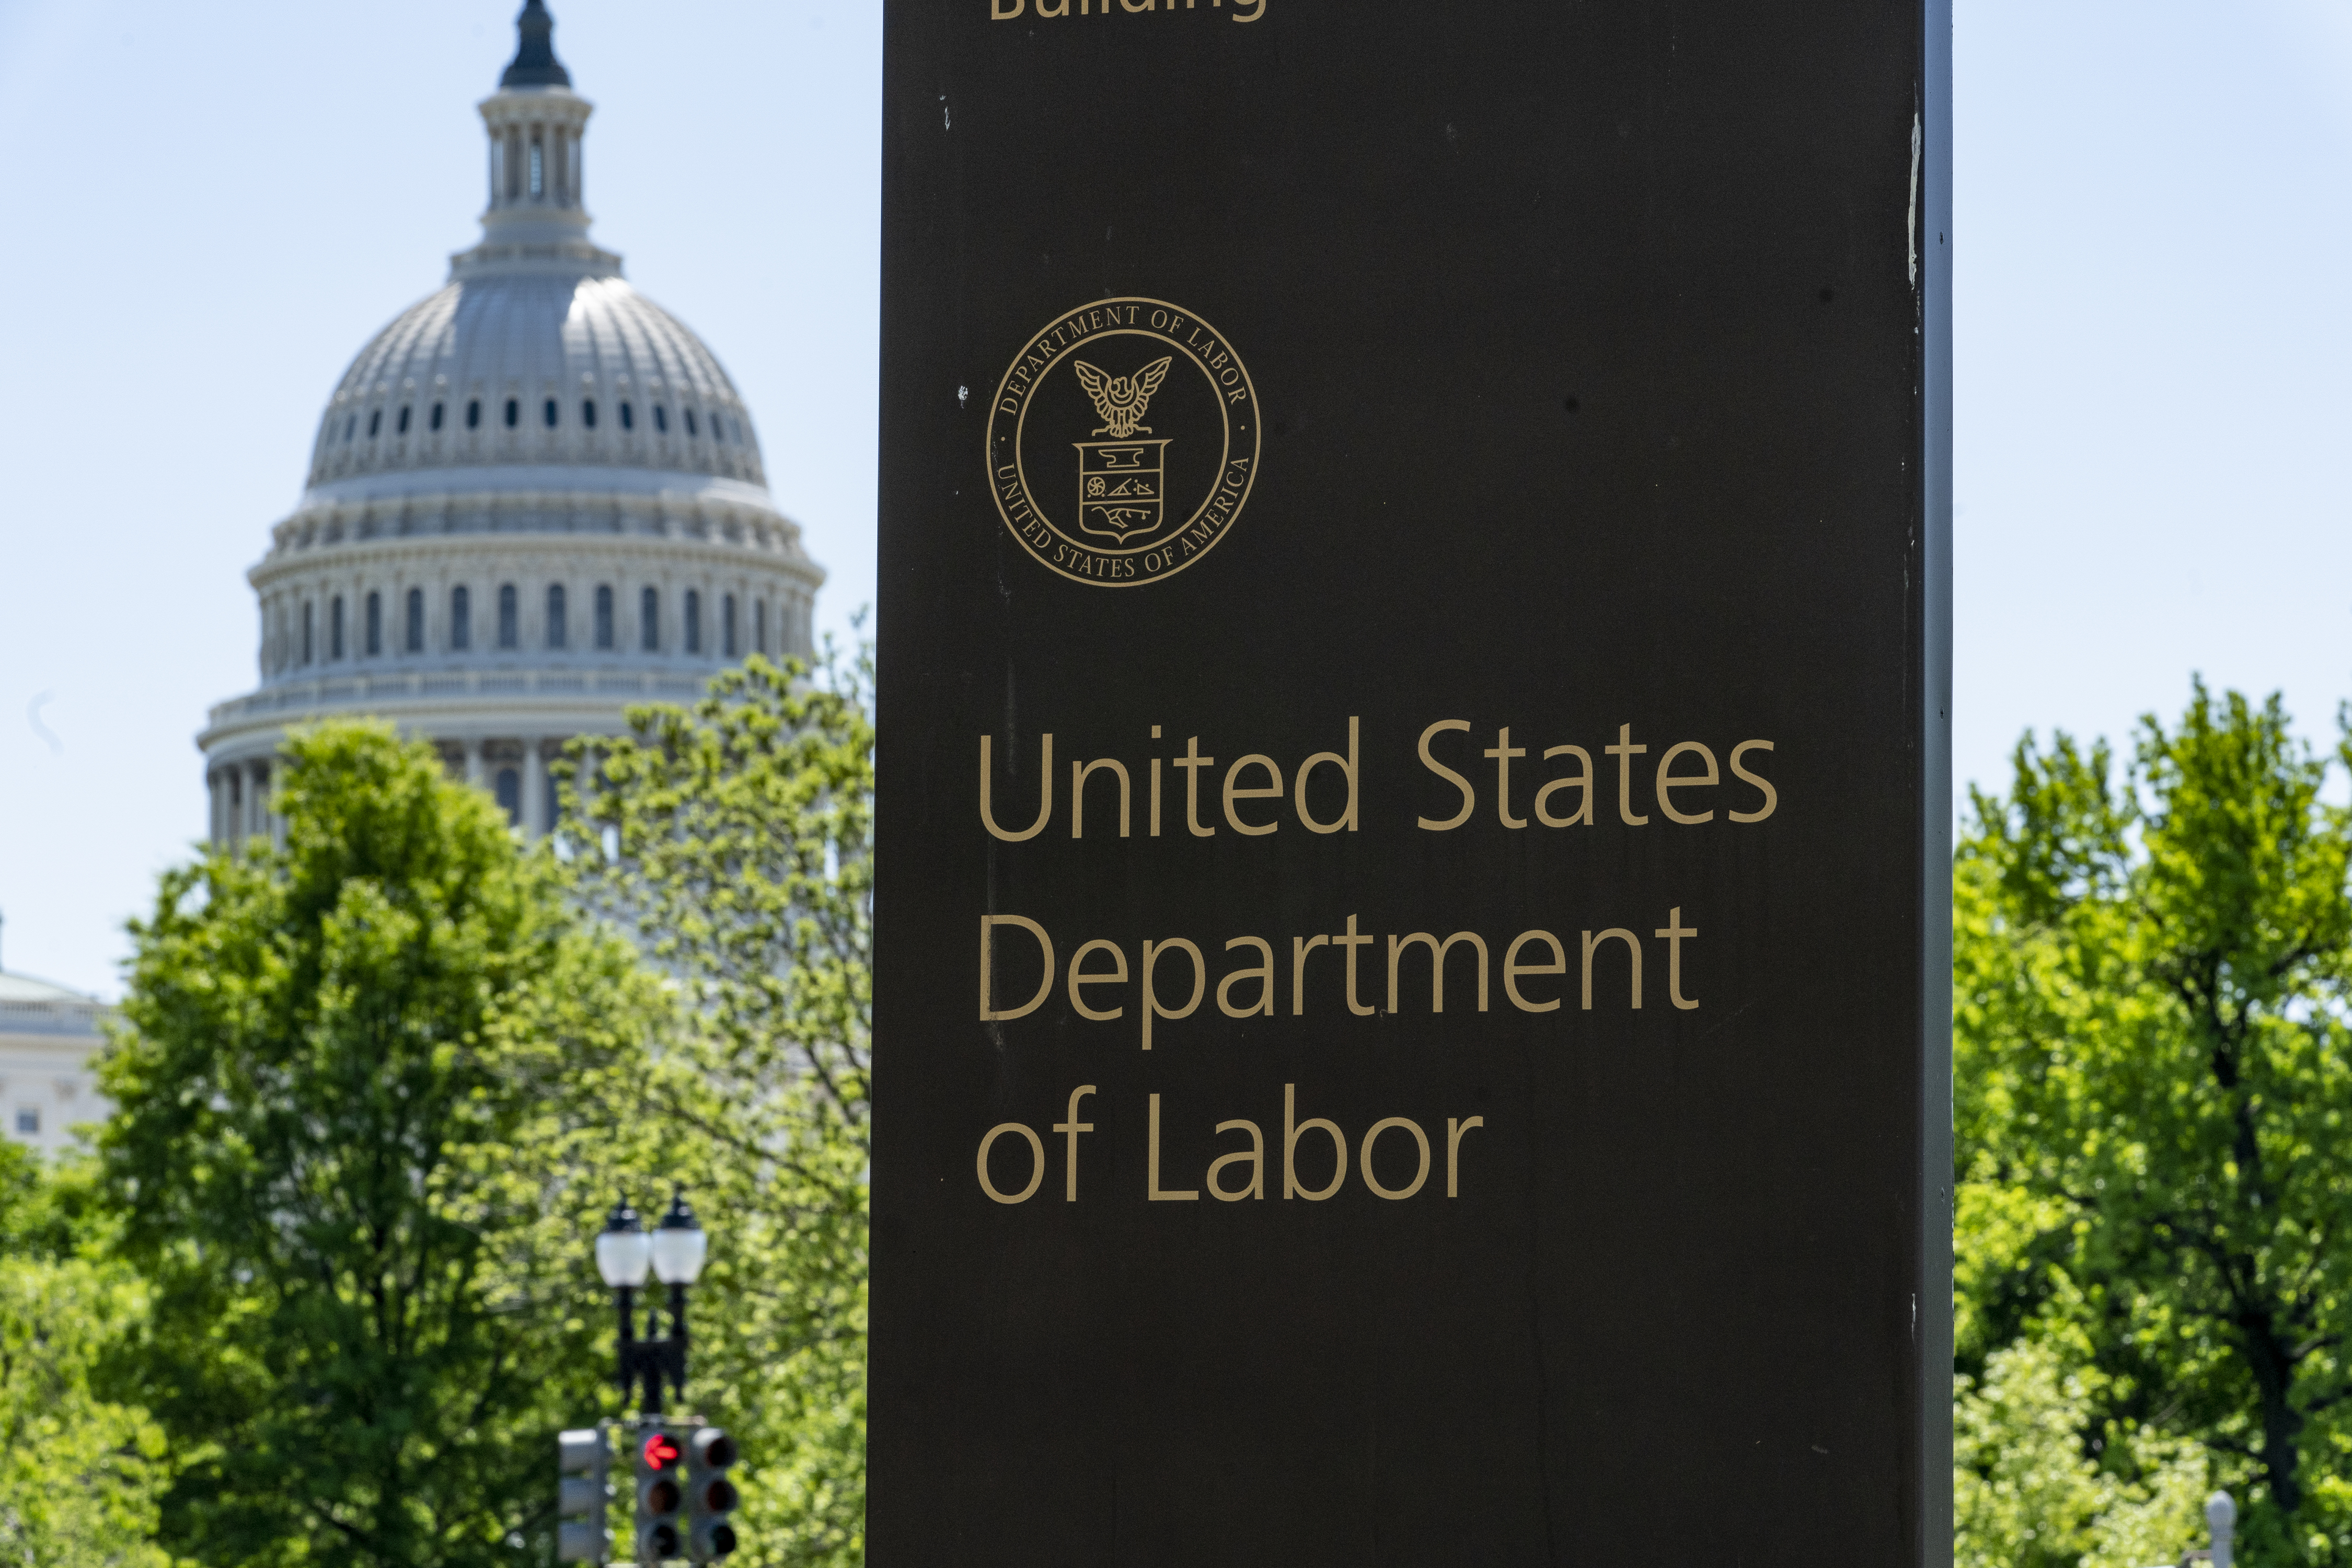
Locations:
(673, 1252)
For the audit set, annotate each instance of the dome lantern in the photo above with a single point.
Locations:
(535, 64)
(536, 125)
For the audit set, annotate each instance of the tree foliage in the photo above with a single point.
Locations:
(2027, 1495)
(734, 842)
(81, 1470)
(356, 1148)
(2154, 1085)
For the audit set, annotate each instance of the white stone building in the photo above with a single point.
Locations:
(535, 500)
(48, 1082)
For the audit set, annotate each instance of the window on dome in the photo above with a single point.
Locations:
(375, 423)
(401, 427)
(690, 423)
(308, 650)
(760, 625)
(514, 412)
(435, 422)
(556, 630)
(628, 416)
(693, 621)
(604, 615)
(351, 424)
(727, 626)
(649, 621)
(473, 413)
(661, 419)
(416, 620)
(335, 628)
(375, 624)
(509, 627)
(509, 787)
(461, 618)
(538, 169)
(588, 412)
(551, 413)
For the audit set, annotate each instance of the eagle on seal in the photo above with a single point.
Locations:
(1122, 400)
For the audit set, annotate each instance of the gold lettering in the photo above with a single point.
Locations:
(1675, 931)
(1772, 796)
(1045, 790)
(1292, 1130)
(1073, 1127)
(1263, 975)
(1300, 946)
(1469, 797)
(1513, 969)
(1668, 782)
(1593, 944)
(1454, 1132)
(1079, 773)
(1351, 941)
(1421, 1141)
(1624, 751)
(1583, 783)
(1036, 1163)
(1502, 751)
(1152, 952)
(1234, 791)
(1151, 1189)
(988, 924)
(1346, 766)
(1078, 977)
(1256, 1156)
(1397, 944)
(1193, 762)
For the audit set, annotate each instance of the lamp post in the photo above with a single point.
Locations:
(673, 1252)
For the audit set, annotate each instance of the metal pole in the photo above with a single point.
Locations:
(653, 1405)
(625, 1299)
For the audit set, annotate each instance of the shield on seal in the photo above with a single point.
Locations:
(1120, 486)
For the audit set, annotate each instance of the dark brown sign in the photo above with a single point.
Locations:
(1412, 937)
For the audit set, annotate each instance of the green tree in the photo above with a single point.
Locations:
(2026, 1495)
(734, 843)
(354, 1156)
(2154, 1091)
(82, 1473)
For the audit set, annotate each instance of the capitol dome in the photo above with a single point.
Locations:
(534, 499)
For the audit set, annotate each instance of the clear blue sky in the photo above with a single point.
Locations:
(204, 211)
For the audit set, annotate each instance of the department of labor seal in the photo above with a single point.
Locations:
(1123, 442)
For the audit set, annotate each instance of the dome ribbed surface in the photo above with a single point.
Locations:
(593, 345)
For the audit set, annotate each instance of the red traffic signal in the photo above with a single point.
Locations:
(661, 1493)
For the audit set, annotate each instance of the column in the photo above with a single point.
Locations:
(473, 745)
(534, 791)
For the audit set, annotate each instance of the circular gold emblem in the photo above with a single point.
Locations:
(1123, 442)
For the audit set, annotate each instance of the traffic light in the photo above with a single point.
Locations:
(709, 1495)
(583, 1460)
(661, 1491)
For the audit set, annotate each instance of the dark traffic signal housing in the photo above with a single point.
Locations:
(711, 1496)
(584, 1462)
